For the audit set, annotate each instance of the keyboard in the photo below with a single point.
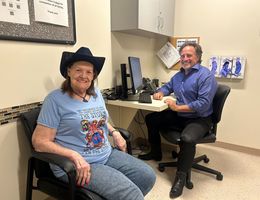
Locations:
(145, 98)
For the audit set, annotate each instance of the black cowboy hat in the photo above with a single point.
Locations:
(82, 54)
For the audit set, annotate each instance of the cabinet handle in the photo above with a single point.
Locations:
(158, 23)
(162, 23)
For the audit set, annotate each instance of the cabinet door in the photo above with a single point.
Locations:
(166, 17)
(148, 14)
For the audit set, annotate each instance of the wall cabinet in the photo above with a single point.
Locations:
(144, 17)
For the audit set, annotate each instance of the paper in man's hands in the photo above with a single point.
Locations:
(169, 55)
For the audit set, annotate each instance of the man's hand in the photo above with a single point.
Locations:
(171, 104)
(158, 96)
(119, 141)
(178, 108)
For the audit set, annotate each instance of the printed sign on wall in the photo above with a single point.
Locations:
(228, 66)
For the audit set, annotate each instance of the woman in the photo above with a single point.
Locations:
(73, 122)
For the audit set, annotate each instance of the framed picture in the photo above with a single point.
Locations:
(178, 41)
(44, 21)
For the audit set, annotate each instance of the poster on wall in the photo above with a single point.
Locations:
(238, 67)
(14, 11)
(169, 55)
(214, 65)
(180, 41)
(53, 12)
(47, 21)
(177, 42)
(227, 66)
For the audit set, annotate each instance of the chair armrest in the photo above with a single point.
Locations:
(63, 162)
(127, 136)
(68, 166)
(125, 133)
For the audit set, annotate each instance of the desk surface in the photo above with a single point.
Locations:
(156, 105)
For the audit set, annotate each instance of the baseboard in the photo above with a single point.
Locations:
(239, 148)
(167, 146)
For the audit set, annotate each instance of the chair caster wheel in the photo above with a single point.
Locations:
(219, 177)
(174, 154)
(161, 168)
(189, 185)
(206, 160)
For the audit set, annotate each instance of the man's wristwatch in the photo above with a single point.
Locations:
(110, 133)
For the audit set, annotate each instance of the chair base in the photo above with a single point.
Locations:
(195, 165)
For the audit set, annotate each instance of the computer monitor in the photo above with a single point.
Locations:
(135, 74)
(124, 75)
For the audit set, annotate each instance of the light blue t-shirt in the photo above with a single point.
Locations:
(81, 126)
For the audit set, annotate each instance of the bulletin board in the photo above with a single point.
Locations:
(178, 41)
(35, 30)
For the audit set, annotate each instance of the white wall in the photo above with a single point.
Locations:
(30, 70)
(229, 28)
(124, 45)
(225, 28)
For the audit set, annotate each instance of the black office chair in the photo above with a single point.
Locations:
(172, 135)
(38, 164)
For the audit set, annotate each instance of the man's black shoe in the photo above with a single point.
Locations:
(151, 156)
(179, 182)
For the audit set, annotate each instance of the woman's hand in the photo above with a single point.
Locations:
(119, 141)
(83, 169)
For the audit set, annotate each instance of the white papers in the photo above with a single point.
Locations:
(225, 66)
(169, 55)
(238, 68)
(51, 11)
(14, 11)
(214, 65)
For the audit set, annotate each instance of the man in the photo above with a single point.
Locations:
(194, 87)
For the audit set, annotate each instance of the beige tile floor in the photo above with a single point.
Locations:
(241, 180)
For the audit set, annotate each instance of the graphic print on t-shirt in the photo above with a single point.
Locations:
(92, 124)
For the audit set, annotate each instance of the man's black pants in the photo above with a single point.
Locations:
(193, 129)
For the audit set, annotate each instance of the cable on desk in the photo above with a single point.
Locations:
(140, 120)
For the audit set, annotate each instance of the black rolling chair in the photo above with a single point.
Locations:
(38, 164)
(172, 135)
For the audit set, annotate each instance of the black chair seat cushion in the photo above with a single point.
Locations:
(58, 189)
(173, 136)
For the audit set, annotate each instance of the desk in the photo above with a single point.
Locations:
(123, 112)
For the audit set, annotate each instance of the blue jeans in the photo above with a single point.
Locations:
(122, 177)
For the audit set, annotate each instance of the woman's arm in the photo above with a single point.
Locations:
(43, 141)
(117, 137)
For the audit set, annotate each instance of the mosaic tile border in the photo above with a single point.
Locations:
(11, 114)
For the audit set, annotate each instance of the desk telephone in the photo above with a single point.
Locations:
(149, 86)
